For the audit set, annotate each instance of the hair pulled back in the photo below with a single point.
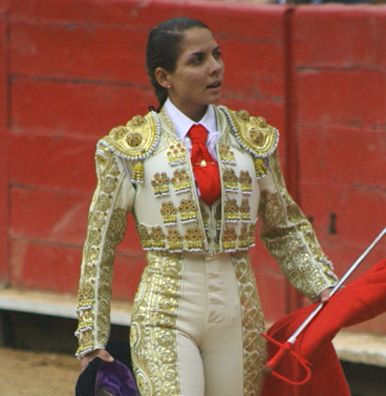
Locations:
(163, 49)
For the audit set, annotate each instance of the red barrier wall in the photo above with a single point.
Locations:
(4, 203)
(69, 71)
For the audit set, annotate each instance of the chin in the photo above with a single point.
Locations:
(215, 100)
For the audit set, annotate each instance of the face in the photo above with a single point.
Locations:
(197, 78)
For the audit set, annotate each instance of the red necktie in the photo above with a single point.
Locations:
(205, 168)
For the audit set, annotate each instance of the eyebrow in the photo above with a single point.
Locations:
(199, 53)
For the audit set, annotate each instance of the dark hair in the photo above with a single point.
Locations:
(163, 48)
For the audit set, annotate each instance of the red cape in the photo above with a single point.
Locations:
(361, 300)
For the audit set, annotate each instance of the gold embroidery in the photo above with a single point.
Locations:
(253, 133)
(227, 156)
(229, 239)
(181, 181)
(138, 139)
(144, 236)
(291, 240)
(174, 240)
(187, 210)
(194, 239)
(158, 238)
(138, 172)
(245, 210)
(230, 180)
(169, 213)
(245, 182)
(160, 184)
(177, 154)
(95, 284)
(152, 336)
(231, 210)
(244, 237)
(260, 168)
(254, 346)
(252, 234)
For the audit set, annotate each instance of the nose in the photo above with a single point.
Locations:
(216, 65)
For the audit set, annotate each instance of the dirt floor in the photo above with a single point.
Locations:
(37, 374)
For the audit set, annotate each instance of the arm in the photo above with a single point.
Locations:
(289, 236)
(107, 220)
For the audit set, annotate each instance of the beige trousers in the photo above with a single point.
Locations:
(195, 327)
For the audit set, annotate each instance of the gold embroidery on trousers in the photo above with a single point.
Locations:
(254, 346)
(152, 336)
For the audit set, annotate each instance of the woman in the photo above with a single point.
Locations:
(196, 176)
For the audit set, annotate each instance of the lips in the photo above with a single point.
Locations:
(215, 84)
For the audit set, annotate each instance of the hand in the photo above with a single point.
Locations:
(101, 353)
(325, 295)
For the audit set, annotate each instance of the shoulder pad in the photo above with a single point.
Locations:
(253, 133)
(137, 139)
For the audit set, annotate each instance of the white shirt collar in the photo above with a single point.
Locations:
(183, 123)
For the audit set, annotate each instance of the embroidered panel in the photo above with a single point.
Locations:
(254, 345)
(152, 336)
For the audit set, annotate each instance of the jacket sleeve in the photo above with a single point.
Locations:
(112, 199)
(289, 236)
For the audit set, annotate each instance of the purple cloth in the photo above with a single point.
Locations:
(115, 378)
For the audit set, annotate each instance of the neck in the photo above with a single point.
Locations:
(195, 113)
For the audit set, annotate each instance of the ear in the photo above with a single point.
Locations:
(162, 77)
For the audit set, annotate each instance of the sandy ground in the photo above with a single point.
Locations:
(37, 374)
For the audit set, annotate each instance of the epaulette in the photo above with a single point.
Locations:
(137, 139)
(253, 133)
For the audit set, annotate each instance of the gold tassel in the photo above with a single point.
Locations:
(138, 172)
(260, 168)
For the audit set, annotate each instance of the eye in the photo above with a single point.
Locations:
(197, 59)
(217, 53)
